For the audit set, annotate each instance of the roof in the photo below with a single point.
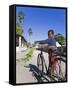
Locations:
(22, 37)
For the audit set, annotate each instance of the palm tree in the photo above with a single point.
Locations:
(60, 38)
(20, 16)
(30, 32)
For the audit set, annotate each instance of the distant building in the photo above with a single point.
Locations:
(64, 43)
(21, 43)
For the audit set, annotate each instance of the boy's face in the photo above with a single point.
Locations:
(50, 35)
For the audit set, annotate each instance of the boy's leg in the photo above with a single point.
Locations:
(49, 67)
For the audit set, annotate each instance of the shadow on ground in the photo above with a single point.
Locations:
(41, 77)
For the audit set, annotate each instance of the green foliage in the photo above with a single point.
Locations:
(28, 56)
(19, 30)
(60, 38)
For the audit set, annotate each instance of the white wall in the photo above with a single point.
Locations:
(4, 44)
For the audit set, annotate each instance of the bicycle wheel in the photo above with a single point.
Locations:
(40, 63)
(62, 70)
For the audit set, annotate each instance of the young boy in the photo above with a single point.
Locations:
(50, 45)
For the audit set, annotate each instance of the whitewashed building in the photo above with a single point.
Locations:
(21, 43)
(57, 44)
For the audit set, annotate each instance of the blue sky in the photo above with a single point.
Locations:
(41, 20)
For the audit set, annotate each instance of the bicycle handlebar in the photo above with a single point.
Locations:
(56, 51)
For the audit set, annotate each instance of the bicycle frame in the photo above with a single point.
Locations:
(44, 63)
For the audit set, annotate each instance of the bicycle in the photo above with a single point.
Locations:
(41, 63)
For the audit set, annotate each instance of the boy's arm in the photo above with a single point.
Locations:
(47, 46)
(43, 46)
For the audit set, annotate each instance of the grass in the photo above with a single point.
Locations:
(28, 56)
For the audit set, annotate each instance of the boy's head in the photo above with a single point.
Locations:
(50, 34)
